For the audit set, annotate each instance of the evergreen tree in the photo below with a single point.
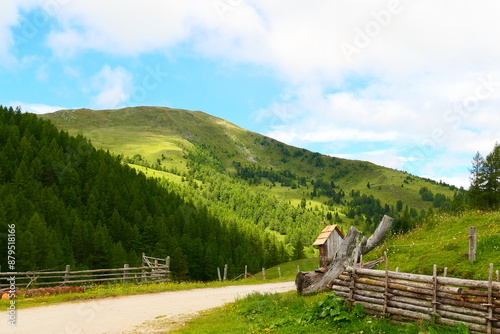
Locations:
(298, 250)
(484, 190)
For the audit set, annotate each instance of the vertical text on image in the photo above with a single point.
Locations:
(11, 262)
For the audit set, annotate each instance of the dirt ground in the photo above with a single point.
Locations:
(148, 313)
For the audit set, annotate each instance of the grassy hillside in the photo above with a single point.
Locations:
(67, 202)
(190, 148)
(444, 240)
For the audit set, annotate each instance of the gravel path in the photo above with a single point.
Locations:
(148, 313)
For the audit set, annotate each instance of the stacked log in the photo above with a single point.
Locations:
(349, 252)
(412, 297)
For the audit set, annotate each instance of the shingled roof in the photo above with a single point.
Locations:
(325, 234)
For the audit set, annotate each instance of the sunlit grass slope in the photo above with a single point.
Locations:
(444, 240)
(168, 135)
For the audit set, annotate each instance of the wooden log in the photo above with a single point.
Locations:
(459, 282)
(348, 253)
(472, 243)
(462, 317)
(463, 310)
(462, 314)
(378, 298)
(377, 236)
(376, 301)
(342, 259)
(489, 317)
(404, 302)
(474, 327)
(424, 300)
(403, 314)
(452, 293)
(441, 288)
(396, 311)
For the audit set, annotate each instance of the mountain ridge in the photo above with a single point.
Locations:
(181, 142)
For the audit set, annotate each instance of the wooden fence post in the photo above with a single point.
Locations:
(386, 285)
(490, 305)
(66, 273)
(218, 274)
(434, 302)
(472, 243)
(225, 272)
(125, 271)
(298, 268)
(143, 272)
(167, 268)
(279, 272)
(246, 271)
(263, 273)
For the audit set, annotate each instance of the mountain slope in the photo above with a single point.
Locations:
(443, 239)
(196, 147)
(70, 203)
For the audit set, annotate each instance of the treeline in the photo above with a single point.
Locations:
(484, 190)
(255, 174)
(234, 199)
(74, 204)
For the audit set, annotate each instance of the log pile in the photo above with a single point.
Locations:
(348, 253)
(406, 297)
(409, 297)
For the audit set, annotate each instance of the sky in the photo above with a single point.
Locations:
(410, 85)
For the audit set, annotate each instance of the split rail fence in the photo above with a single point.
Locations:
(410, 297)
(158, 272)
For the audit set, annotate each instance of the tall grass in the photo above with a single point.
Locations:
(443, 239)
(290, 313)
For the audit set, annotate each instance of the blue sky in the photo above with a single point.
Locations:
(413, 86)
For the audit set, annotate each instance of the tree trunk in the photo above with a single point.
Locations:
(349, 253)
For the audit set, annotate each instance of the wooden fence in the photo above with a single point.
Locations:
(23, 280)
(409, 297)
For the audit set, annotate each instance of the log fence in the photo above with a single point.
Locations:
(24, 280)
(410, 297)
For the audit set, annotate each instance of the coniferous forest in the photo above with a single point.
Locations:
(74, 204)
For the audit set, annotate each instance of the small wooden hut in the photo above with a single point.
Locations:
(328, 242)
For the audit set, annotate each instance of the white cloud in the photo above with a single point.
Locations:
(126, 27)
(414, 62)
(114, 87)
(8, 18)
(302, 40)
(387, 158)
(34, 108)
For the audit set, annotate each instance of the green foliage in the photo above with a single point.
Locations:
(334, 310)
(74, 204)
(442, 239)
(251, 182)
(485, 180)
(188, 144)
(289, 313)
(298, 250)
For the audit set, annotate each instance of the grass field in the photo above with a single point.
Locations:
(444, 240)
(167, 134)
(290, 313)
(441, 240)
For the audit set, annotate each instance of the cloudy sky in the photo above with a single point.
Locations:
(411, 85)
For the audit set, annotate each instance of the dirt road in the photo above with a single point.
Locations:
(129, 314)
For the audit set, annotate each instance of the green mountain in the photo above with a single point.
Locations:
(62, 201)
(253, 179)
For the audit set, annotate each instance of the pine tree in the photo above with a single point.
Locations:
(484, 191)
